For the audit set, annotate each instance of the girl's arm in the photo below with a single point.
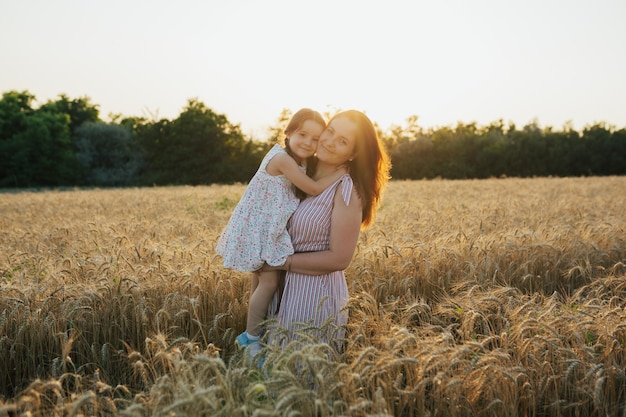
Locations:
(285, 165)
(345, 226)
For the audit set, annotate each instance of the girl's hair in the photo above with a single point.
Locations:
(370, 167)
(296, 122)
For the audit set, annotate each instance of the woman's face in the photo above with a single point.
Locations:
(337, 143)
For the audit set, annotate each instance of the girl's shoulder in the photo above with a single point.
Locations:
(275, 150)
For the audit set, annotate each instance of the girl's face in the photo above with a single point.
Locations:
(337, 143)
(303, 141)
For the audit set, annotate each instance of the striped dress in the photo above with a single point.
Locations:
(314, 303)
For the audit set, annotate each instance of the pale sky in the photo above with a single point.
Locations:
(446, 61)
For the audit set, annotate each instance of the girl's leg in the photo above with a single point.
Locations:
(254, 282)
(260, 300)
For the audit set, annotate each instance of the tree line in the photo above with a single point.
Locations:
(64, 142)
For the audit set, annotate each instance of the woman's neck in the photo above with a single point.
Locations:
(322, 170)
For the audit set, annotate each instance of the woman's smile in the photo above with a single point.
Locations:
(337, 143)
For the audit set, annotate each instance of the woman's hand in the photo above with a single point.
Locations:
(284, 267)
(344, 233)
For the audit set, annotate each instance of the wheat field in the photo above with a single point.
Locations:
(499, 297)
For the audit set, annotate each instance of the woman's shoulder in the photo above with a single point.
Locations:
(345, 186)
(347, 202)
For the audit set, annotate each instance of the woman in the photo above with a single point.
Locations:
(256, 231)
(325, 229)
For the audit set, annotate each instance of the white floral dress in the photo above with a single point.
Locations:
(256, 232)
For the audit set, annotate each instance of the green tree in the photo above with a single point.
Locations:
(601, 147)
(15, 108)
(449, 151)
(410, 149)
(108, 153)
(35, 145)
(79, 110)
(492, 145)
(617, 153)
(198, 147)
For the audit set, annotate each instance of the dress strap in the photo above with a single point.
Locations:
(274, 150)
(346, 188)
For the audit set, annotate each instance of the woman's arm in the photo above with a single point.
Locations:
(283, 164)
(345, 226)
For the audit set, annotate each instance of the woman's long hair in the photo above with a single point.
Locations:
(370, 167)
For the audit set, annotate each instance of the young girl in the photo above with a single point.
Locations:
(256, 232)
